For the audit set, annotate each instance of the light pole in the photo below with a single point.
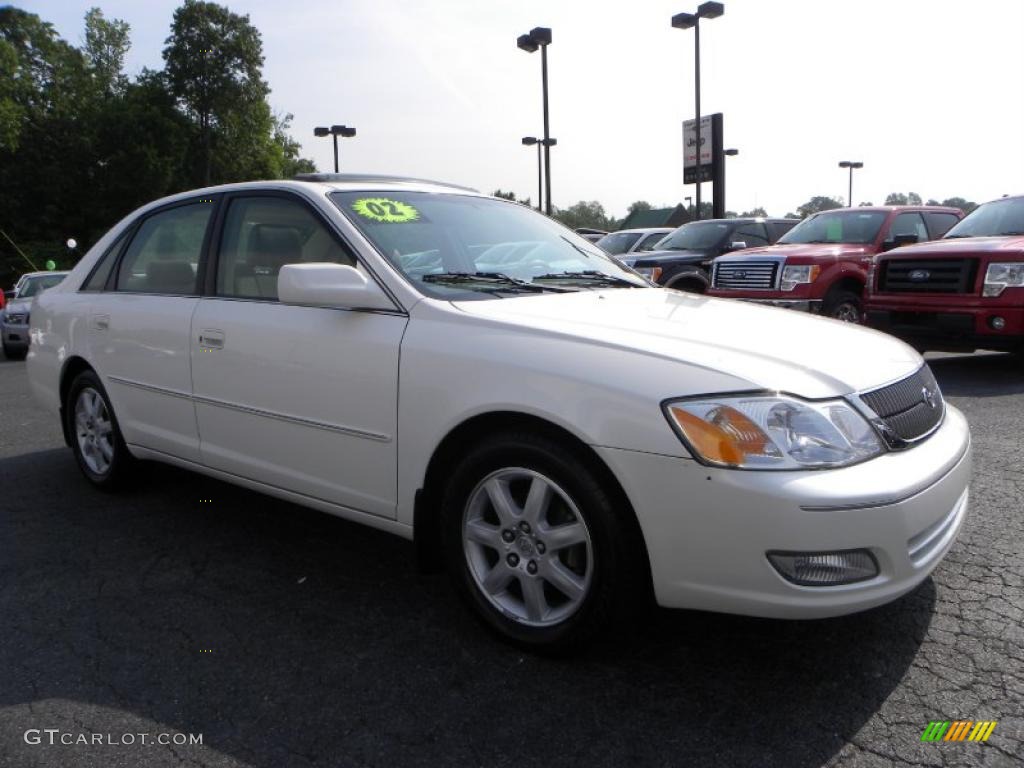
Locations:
(851, 165)
(335, 131)
(530, 141)
(685, 21)
(540, 37)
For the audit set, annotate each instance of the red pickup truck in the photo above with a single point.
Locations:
(963, 292)
(821, 265)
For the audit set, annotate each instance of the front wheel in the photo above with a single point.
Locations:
(844, 305)
(536, 544)
(96, 439)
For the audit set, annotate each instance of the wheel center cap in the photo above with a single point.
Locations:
(525, 546)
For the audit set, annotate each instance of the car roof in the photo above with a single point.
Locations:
(42, 273)
(643, 230)
(887, 208)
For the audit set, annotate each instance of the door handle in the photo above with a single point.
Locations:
(101, 322)
(211, 338)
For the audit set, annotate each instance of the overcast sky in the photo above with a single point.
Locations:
(928, 94)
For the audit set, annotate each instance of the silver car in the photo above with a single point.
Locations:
(15, 316)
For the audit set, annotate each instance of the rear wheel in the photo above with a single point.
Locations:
(535, 544)
(844, 305)
(96, 439)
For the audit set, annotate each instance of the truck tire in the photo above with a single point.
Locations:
(846, 306)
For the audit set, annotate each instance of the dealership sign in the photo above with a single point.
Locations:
(710, 140)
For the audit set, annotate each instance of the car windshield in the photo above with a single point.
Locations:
(848, 226)
(34, 285)
(618, 242)
(464, 247)
(1000, 217)
(697, 236)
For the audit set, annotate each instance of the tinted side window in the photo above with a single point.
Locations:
(98, 279)
(648, 243)
(907, 224)
(164, 254)
(752, 234)
(261, 235)
(777, 229)
(939, 223)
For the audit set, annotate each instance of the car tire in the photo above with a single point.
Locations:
(535, 542)
(96, 438)
(14, 354)
(844, 305)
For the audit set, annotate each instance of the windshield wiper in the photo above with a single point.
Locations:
(495, 282)
(590, 275)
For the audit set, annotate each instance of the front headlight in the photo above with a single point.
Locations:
(797, 274)
(764, 431)
(1000, 276)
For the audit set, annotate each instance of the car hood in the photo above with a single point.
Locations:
(796, 250)
(18, 305)
(771, 348)
(956, 246)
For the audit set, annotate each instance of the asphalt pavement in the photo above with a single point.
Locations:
(283, 637)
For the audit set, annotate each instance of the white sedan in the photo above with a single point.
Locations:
(566, 438)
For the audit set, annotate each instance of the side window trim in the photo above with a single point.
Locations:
(133, 229)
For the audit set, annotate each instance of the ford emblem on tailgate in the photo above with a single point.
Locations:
(919, 275)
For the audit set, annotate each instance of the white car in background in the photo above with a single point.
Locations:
(567, 438)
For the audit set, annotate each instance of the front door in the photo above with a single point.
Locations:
(300, 398)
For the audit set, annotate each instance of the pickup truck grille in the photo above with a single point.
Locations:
(905, 409)
(759, 275)
(919, 276)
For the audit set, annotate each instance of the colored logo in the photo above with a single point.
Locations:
(958, 730)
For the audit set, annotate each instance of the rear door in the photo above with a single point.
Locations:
(139, 327)
(299, 398)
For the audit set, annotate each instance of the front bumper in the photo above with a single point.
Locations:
(708, 530)
(942, 324)
(803, 305)
(15, 337)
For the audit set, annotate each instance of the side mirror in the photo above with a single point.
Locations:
(905, 239)
(737, 245)
(329, 285)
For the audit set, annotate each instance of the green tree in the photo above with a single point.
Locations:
(106, 45)
(758, 212)
(585, 214)
(899, 198)
(637, 206)
(213, 61)
(817, 204)
(958, 202)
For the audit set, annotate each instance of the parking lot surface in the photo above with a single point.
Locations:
(286, 637)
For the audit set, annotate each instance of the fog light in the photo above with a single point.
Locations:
(997, 323)
(825, 569)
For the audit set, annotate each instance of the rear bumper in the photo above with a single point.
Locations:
(949, 326)
(708, 530)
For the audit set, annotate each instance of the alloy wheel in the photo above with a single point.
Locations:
(94, 431)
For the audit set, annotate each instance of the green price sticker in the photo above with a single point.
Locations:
(382, 209)
(51, 264)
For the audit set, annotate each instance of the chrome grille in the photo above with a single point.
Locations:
(759, 275)
(909, 409)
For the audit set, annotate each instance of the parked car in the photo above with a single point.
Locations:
(587, 233)
(682, 260)
(960, 293)
(633, 240)
(14, 319)
(566, 437)
(821, 265)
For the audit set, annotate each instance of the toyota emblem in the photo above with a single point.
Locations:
(928, 397)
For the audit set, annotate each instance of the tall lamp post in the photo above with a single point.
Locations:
(335, 131)
(851, 165)
(540, 37)
(530, 141)
(685, 21)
